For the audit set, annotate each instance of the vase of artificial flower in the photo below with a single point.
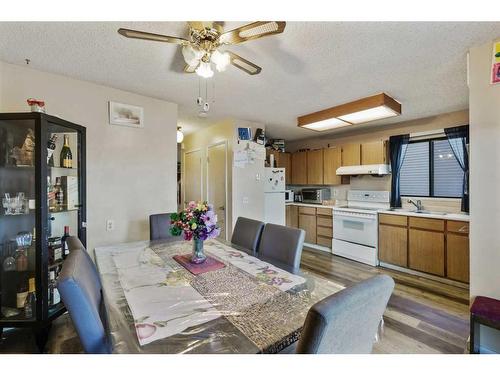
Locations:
(197, 222)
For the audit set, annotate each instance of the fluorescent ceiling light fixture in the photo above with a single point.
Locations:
(371, 108)
(331, 123)
(368, 115)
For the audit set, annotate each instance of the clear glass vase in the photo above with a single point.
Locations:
(198, 253)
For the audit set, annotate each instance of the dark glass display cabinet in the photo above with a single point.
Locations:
(39, 199)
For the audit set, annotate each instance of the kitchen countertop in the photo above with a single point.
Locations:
(459, 217)
(308, 205)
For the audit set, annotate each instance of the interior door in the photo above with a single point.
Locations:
(192, 176)
(216, 183)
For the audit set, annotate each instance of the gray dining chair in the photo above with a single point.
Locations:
(74, 243)
(283, 244)
(159, 227)
(347, 322)
(246, 234)
(81, 292)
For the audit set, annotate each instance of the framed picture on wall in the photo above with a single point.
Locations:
(495, 69)
(126, 115)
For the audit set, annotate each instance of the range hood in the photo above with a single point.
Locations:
(373, 169)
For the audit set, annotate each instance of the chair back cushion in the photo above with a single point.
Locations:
(283, 244)
(159, 226)
(347, 322)
(74, 243)
(81, 292)
(246, 234)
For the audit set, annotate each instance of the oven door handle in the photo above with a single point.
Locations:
(341, 216)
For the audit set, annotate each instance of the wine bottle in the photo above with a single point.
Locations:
(64, 243)
(30, 304)
(21, 294)
(66, 159)
(59, 194)
(54, 297)
(51, 146)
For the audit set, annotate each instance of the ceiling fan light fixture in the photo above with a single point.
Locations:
(192, 56)
(204, 70)
(368, 109)
(221, 60)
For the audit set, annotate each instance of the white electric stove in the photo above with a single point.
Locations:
(355, 226)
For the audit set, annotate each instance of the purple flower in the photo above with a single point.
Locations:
(202, 234)
(214, 232)
(210, 218)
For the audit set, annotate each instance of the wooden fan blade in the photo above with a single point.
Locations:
(244, 64)
(252, 31)
(190, 68)
(134, 34)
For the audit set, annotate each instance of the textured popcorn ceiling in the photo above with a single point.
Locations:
(311, 66)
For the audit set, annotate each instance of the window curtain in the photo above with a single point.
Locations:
(397, 151)
(458, 137)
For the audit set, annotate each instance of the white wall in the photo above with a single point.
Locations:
(131, 173)
(484, 102)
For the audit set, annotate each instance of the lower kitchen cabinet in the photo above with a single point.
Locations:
(426, 251)
(292, 216)
(457, 257)
(393, 245)
(307, 222)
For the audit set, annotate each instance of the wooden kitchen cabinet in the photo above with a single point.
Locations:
(351, 154)
(374, 153)
(393, 244)
(292, 216)
(332, 160)
(426, 251)
(315, 167)
(308, 224)
(457, 257)
(299, 168)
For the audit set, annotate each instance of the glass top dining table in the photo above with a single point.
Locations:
(246, 305)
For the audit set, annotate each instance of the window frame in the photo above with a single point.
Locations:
(431, 169)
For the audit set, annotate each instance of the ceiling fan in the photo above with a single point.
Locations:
(205, 39)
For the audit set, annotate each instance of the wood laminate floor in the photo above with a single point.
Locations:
(423, 316)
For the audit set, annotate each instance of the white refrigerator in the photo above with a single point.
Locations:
(274, 196)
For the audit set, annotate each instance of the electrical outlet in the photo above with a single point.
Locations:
(110, 225)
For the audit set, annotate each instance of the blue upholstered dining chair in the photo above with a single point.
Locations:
(283, 244)
(346, 322)
(74, 243)
(81, 291)
(246, 234)
(159, 227)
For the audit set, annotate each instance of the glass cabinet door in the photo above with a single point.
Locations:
(63, 201)
(18, 220)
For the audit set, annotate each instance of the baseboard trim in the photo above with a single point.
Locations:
(318, 247)
(426, 275)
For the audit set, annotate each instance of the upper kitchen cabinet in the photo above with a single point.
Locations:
(332, 160)
(374, 153)
(299, 168)
(315, 167)
(351, 154)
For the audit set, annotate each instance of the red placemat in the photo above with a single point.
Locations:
(210, 264)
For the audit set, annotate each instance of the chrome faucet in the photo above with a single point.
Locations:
(417, 204)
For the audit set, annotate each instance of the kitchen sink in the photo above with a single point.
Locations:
(422, 212)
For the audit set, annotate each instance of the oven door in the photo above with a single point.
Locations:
(358, 228)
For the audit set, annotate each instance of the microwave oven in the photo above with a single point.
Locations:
(316, 196)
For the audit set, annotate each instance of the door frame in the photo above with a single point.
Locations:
(224, 142)
(184, 173)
